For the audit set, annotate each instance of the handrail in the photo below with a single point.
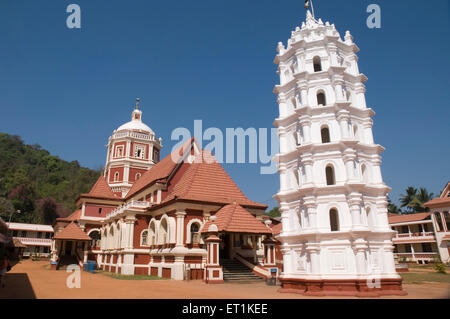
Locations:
(253, 267)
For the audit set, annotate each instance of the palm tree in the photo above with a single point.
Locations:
(414, 200)
(405, 200)
(420, 199)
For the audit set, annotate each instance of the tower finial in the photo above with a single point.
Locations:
(307, 7)
(137, 103)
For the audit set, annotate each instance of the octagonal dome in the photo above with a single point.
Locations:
(136, 124)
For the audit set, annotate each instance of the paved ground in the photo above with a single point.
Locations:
(32, 280)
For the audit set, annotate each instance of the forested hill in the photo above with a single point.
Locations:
(38, 184)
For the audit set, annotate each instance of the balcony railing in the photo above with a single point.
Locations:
(35, 241)
(417, 255)
(141, 136)
(414, 235)
(128, 205)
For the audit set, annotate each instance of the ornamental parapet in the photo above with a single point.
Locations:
(135, 205)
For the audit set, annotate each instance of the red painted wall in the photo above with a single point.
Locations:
(124, 144)
(141, 224)
(92, 210)
(141, 259)
(113, 172)
(134, 171)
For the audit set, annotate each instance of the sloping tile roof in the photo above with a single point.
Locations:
(101, 189)
(276, 229)
(30, 227)
(73, 232)
(407, 218)
(234, 218)
(206, 180)
(161, 170)
(72, 217)
(444, 201)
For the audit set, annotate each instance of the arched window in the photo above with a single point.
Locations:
(163, 233)
(119, 236)
(144, 238)
(329, 172)
(95, 238)
(364, 173)
(137, 176)
(195, 235)
(369, 217)
(293, 68)
(297, 176)
(296, 138)
(325, 133)
(355, 132)
(447, 220)
(334, 220)
(111, 238)
(440, 225)
(317, 64)
(152, 234)
(116, 176)
(294, 102)
(103, 238)
(321, 100)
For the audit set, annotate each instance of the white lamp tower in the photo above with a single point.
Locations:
(336, 239)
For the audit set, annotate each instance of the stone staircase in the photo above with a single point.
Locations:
(66, 261)
(234, 271)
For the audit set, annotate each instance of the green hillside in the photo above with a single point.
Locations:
(38, 184)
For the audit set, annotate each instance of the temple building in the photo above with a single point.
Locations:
(424, 237)
(176, 217)
(336, 239)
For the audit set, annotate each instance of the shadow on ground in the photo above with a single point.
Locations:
(18, 286)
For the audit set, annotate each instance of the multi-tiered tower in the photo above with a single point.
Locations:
(335, 238)
(132, 150)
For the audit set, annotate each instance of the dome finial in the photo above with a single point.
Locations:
(137, 103)
(308, 13)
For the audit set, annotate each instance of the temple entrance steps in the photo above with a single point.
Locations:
(234, 271)
(67, 260)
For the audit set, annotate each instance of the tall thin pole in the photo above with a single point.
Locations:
(312, 9)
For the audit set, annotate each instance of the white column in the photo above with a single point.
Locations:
(355, 209)
(307, 162)
(343, 123)
(311, 213)
(129, 224)
(180, 227)
(360, 249)
(349, 160)
(305, 122)
(85, 252)
(314, 252)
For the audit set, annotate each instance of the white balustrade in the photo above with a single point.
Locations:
(132, 203)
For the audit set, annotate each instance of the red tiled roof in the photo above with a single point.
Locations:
(161, 170)
(444, 201)
(206, 180)
(102, 189)
(407, 218)
(203, 180)
(73, 232)
(234, 218)
(72, 217)
(276, 229)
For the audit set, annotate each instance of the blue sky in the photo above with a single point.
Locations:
(68, 89)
